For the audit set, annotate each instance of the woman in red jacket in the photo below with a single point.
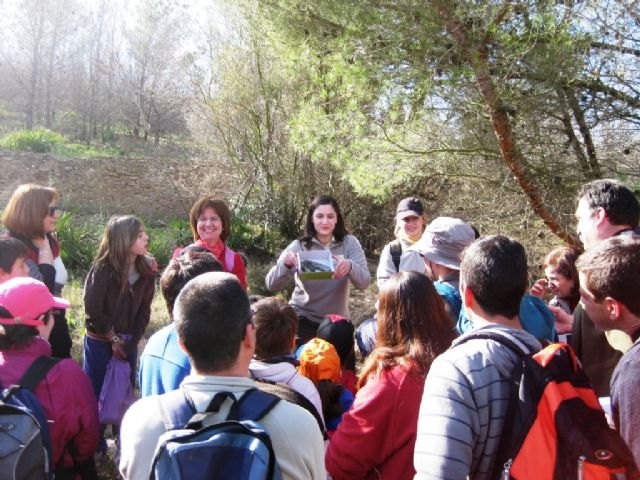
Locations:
(210, 221)
(377, 436)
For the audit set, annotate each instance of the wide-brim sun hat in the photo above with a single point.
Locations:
(444, 240)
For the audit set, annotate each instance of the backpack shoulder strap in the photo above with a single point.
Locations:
(37, 371)
(253, 405)
(229, 258)
(497, 336)
(395, 249)
(175, 409)
(285, 392)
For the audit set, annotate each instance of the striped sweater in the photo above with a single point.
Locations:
(463, 407)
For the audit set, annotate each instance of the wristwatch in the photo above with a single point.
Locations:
(116, 339)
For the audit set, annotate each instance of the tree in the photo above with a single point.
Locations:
(425, 85)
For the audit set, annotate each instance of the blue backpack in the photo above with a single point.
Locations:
(25, 441)
(238, 447)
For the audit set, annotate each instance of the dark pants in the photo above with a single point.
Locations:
(96, 357)
(307, 329)
(60, 338)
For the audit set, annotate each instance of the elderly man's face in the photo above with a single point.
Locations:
(587, 227)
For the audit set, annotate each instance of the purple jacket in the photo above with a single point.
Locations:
(67, 399)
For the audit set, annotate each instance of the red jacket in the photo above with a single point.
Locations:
(238, 268)
(66, 396)
(377, 436)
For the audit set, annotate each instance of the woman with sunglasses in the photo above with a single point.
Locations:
(30, 216)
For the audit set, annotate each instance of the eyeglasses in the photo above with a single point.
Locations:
(54, 211)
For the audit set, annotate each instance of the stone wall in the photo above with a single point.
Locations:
(153, 188)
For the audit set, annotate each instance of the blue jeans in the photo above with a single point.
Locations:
(96, 357)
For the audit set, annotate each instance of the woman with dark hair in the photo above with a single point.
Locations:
(210, 221)
(312, 300)
(377, 436)
(30, 216)
(64, 391)
(118, 292)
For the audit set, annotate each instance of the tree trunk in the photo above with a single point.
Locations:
(476, 56)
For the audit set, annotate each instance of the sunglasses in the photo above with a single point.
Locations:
(54, 211)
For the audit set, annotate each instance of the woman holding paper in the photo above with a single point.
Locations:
(313, 299)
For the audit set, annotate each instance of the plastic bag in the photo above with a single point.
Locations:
(117, 392)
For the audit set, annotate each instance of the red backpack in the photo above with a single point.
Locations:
(555, 428)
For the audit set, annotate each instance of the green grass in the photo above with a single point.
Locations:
(46, 141)
(78, 150)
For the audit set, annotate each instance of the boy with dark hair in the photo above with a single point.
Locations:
(609, 285)
(214, 326)
(163, 364)
(13, 258)
(468, 387)
(276, 326)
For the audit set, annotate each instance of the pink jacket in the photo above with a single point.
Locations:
(66, 396)
(376, 437)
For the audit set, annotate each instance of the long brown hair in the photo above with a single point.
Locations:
(119, 235)
(413, 326)
(26, 209)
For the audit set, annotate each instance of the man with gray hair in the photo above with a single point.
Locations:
(213, 320)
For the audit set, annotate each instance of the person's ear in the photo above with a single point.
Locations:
(249, 339)
(613, 307)
(182, 347)
(468, 299)
(599, 215)
(4, 276)
(45, 330)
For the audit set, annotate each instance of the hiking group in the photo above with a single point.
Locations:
(461, 371)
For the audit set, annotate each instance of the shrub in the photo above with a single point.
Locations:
(79, 239)
(252, 238)
(165, 237)
(37, 141)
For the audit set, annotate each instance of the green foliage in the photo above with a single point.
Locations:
(164, 238)
(79, 239)
(81, 150)
(252, 238)
(36, 141)
(47, 141)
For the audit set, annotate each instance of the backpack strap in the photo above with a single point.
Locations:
(503, 338)
(285, 392)
(395, 249)
(37, 371)
(176, 408)
(229, 258)
(253, 405)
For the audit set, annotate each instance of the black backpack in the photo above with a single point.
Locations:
(25, 441)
